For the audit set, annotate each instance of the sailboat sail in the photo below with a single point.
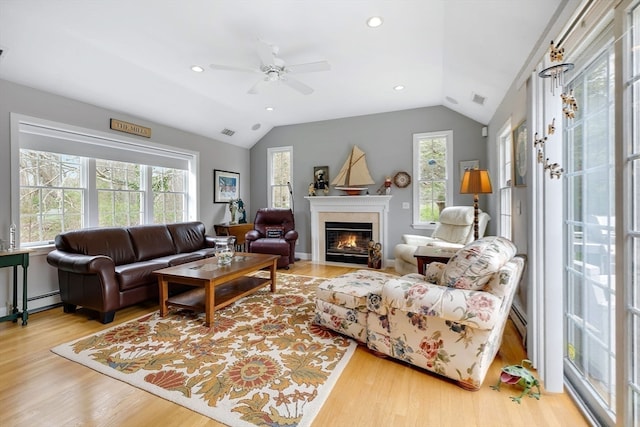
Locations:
(354, 172)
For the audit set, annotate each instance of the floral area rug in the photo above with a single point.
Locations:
(262, 363)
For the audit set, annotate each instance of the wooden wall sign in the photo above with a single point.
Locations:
(130, 128)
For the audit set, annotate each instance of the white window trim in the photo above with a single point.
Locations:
(504, 132)
(270, 152)
(98, 138)
(448, 134)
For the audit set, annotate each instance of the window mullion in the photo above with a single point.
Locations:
(90, 217)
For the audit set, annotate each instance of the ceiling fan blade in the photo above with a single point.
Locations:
(233, 68)
(310, 67)
(265, 53)
(255, 88)
(297, 85)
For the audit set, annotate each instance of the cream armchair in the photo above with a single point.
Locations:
(454, 230)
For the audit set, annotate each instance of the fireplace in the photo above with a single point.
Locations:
(348, 241)
(352, 209)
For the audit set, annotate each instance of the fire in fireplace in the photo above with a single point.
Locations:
(348, 242)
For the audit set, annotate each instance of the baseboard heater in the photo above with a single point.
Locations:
(520, 322)
(44, 307)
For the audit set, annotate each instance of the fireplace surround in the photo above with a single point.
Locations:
(364, 209)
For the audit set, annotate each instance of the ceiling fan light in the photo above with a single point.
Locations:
(269, 108)
(374, 21)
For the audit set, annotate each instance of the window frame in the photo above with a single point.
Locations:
(107, 142)
(449, 182)
(505, 180)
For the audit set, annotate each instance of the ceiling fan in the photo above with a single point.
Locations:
(275, 70)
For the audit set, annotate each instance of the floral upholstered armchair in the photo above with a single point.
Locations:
(450, 321)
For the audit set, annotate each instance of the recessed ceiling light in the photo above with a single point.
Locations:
(269, 108)
(398, 88)
(197, 69)
(256, 126)
(374, 21)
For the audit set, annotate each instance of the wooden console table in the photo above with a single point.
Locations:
(14, 258)
(237, 230)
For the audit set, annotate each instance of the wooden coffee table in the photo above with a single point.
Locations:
(216, 285)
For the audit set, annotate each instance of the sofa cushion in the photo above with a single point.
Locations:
(472, 266)
(420, 301)
(352, 290)
(151, 241)
(138, 274)
(187, 236)
(113, 242)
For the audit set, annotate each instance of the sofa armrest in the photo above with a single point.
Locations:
(253, 235)
(416, 240)
(476, 309)
(209, 242)
(78, 263)
(291, 235)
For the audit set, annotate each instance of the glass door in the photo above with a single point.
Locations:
(590, 358)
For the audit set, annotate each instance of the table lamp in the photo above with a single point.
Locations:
(475, 181)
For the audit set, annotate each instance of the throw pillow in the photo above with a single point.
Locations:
(472, 267)
(274, 232)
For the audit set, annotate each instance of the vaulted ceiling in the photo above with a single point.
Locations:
(135, 56)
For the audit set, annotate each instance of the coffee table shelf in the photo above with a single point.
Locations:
(226, 294)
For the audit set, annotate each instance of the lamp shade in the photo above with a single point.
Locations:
(476, 181)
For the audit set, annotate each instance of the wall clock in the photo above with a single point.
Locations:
(402, 179)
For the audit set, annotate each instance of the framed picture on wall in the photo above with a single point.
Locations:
(320, 177)
(520, 155)
(226, 186)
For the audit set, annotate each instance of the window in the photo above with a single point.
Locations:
(432, 168)
(52, 195)
(279, 168)
(169, 195)
(505, 153)
(71, 178)
(590, 310)
(120, 195)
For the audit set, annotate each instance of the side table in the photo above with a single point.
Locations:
(237, 230)
(14, 258)
(427, 254)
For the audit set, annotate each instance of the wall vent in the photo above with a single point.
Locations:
(228, 132)
(478, 99)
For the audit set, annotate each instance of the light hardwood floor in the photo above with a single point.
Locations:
(39, 388)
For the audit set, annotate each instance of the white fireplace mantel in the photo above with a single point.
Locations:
(374, 209)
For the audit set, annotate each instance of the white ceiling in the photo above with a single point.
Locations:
(135, 56)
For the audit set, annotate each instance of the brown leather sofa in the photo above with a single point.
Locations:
(274, 233)
(105, 269)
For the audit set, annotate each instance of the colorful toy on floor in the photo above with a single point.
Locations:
(519, 375)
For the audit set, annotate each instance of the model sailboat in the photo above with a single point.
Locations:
(354, 175)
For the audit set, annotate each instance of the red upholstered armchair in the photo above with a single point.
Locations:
(273, 233)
